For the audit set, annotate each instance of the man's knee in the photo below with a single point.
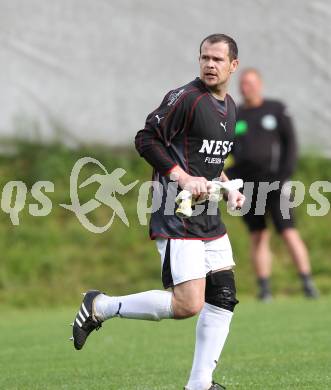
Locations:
(260, 237)
(190, 309)
(221, 290)
(188, 298)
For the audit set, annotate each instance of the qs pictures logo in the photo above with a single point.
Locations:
(110, 186)
(111, 190)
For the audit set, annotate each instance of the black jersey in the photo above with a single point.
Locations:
(195, 131)
(265, 148)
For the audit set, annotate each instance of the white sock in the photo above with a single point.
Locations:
(151, 305)
(211, 332)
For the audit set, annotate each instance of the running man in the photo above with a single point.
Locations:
(187, 140)
(266, 151)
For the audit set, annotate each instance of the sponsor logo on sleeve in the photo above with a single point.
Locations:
(174, 96)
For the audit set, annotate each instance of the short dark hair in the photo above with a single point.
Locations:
(215, 38)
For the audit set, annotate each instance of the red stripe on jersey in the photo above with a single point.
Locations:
(154, 236)
(169, 171)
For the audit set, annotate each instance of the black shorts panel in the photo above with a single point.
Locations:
(166, 269)
(259, 222)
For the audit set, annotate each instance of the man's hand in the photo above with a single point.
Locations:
(197, 186)
(235, 200)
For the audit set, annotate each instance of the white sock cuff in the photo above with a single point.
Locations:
(168, 305)
(164, 299)
(216, 310)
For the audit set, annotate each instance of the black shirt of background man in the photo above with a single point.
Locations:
(265, 147)
(193, 130)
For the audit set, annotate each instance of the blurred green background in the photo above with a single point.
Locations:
(49, 260)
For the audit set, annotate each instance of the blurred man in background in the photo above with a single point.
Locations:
(265, 151)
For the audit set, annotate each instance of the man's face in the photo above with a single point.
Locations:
(250, 86)
(215, 64)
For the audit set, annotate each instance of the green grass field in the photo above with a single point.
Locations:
(46, 261)
(55, 254)
(282, 345)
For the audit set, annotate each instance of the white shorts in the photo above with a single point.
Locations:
(184, 260)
